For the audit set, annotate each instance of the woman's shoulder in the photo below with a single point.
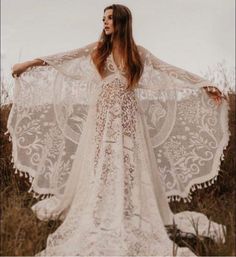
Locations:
(90, 47)
(144, 53)
(142, 50)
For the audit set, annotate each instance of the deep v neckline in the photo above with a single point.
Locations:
(119, 67)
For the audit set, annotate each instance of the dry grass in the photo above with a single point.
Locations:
(23, 234)
(217, 202)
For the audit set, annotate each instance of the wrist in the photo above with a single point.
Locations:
(35, 62)
(29, 64)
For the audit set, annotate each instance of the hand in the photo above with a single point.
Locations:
(215, 94)
(18, 69)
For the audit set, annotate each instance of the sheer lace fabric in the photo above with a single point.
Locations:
(108, 157)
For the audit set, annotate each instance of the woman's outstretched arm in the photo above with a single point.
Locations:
(182, 77)
(54, 59)
(19, 68)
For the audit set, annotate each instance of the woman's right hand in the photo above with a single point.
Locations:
(19, 68)
(215, 94)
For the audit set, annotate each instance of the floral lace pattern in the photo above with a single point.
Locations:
(171, 100)
(115, 126)
(100, 149)
(187, 156)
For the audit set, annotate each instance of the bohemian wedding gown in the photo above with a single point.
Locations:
(105, 159)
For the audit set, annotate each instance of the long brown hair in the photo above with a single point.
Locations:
(122, 22)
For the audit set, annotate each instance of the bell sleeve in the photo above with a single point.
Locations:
(188, 130)
(49, 112)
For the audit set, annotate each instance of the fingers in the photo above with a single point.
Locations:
(216, 94)
(15, 74)
(217, 99)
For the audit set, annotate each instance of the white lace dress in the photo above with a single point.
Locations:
(94, 150)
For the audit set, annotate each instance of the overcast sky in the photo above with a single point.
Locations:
(192, 34)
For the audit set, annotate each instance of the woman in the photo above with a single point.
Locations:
(107, 133)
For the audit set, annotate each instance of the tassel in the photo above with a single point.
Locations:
(7, 132)
(35, 195)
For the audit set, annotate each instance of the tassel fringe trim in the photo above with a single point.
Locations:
(26, 175)
(30, 178)
(170, 198)
(192, 189)
(206, 183)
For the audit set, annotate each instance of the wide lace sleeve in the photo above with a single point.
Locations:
(188, 130)
(49, 112)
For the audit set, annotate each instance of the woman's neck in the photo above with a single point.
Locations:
(116, 46)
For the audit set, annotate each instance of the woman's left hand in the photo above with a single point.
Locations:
(215, 94)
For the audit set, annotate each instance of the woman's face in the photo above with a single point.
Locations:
(108, 22)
